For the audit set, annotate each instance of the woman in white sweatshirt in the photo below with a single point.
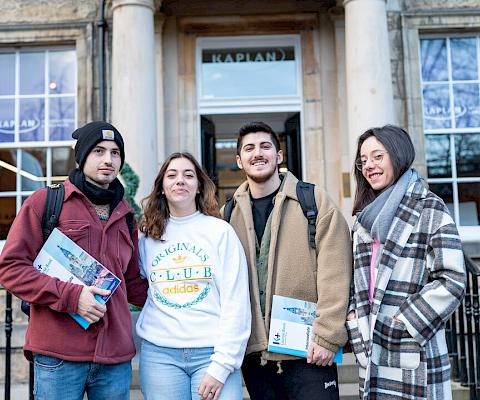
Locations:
(196, 321)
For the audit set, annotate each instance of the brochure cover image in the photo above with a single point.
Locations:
(291, 327)
(62, 258)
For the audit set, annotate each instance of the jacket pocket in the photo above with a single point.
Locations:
(78, 232)
(393, 346)
(356, 341)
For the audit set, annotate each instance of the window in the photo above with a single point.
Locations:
(37, 117)
(451, 117)
(248, 72)
(244, 73)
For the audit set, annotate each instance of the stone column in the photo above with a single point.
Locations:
(368, 71)
(134, 86)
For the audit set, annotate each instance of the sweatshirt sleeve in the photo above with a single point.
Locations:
(17, 273)
(235, 319)
(334, 272)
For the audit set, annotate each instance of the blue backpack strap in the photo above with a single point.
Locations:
(306, 198)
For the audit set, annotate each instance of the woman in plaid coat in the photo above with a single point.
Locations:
(409, 274)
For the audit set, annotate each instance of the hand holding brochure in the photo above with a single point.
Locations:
(62, 258)
(291, 327)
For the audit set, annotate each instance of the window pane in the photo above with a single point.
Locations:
(464, 58)
(32, 119)
(63, 161)
(467, 154)
(467, 105)
(32, 73)
(438, 156)
(62, 68)
(7, 215)
(445, 191)
(436, 107)
(62, 118)
(248, 72)
(7, 73)
(7, 120)
(33, 163)
(8, 178)
(434, 59)
(469, 203)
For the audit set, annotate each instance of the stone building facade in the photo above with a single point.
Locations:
(178, 75)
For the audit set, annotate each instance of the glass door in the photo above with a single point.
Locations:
(219, 146)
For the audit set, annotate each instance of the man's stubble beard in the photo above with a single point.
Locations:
(264, 178)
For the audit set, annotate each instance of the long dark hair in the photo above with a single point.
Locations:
(155, 206)
(401, 152)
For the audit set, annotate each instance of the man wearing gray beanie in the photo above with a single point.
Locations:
(70, 361)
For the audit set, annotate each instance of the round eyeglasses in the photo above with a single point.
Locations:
(360, 163)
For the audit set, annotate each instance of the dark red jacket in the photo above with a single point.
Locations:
(51, 330)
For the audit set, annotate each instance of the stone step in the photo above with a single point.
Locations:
(460, 392)
(348, 370)
(348, 391)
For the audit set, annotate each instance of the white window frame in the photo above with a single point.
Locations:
(468, 233)
(46, 144)
(254, 104)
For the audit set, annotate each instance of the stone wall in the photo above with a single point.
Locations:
(46, 11)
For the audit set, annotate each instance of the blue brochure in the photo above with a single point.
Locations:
(291, 327)
(62, 258)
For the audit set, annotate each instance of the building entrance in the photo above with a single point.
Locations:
(219, 143)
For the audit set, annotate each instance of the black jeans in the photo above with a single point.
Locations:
(298, 381)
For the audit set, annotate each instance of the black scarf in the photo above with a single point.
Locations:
(97, 195)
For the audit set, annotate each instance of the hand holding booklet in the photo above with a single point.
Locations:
(62, 258)
(291, 327)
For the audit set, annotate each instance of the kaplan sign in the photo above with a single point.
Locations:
(26, 125)
(255, 54)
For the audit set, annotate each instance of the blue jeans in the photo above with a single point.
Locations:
(175, 374)
(69, 380)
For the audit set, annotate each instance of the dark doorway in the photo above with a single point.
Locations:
(219, 141)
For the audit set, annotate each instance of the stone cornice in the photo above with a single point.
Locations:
(255, 23)
(45, 26)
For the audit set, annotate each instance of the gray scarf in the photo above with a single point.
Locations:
(377, 217)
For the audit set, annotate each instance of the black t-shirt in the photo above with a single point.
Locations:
(261, 209)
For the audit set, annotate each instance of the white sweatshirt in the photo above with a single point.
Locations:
(198, 295)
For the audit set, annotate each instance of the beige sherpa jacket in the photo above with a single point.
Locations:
(294, 268)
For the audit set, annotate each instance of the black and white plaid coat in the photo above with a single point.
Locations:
(399, 340)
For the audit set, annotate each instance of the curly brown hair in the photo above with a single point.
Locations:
(155, 206)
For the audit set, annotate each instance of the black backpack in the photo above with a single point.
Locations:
(306, 198)
(51, 214)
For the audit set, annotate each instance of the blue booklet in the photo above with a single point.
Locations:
(291, 327)
(62, 258)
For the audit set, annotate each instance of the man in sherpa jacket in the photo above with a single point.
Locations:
(270, 223)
